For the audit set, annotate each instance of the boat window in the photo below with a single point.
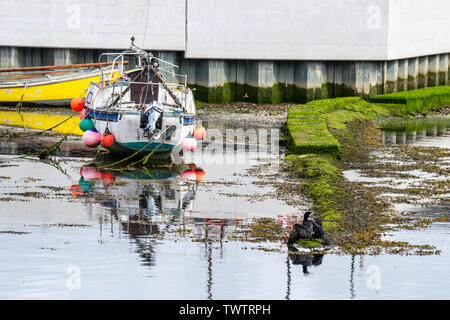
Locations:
(144, 86)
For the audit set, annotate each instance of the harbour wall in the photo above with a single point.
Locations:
(268, 81)
(253, 50)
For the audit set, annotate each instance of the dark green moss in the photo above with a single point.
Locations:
(251, 93)
(421, 81)
(338, 90)
(289, 93)
(432, 78)
(390, 86)
(411, 83)
(348, 91)
(402, 84)
(375, 90)
(300, 94)
(278, 93)
(240, 92)
(442, 78)
(310, 94)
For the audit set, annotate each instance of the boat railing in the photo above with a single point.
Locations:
(121, 85)
(146, 60)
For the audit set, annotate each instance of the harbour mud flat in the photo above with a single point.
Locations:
(205, 230)
(63, 213)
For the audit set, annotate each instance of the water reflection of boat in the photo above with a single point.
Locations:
(150, 203)
(163, 196)
(137, 192)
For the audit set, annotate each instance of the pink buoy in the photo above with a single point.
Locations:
(90, 172)
(92, 138)
(189, 143)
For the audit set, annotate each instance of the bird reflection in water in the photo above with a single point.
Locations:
(298, 258)
(306, 260)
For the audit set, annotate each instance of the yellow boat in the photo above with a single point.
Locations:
(49, 87)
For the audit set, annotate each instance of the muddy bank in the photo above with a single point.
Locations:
(355, 215)
(366, 210)
(251, 183)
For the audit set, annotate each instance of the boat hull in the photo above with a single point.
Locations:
(57, 91)
(40, 121)
(130, 138)
(132, 147)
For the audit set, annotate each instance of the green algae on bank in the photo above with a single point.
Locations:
(417, 101)
(346, 123)
(308, 125)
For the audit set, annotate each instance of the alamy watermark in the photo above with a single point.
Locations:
(73, 281)
(234, 146)
(374, 280)
(73, 12)
(373, 15)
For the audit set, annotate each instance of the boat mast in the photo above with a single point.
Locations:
(150, 61)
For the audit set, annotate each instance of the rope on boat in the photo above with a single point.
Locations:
(145, 159)
(43, 154)
(120, 161)
(51, 128)
(19, 104)
(140, 150)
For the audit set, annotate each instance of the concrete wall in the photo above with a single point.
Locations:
(418, 28)
(93, 24)
(235, 29)
(248, 50)
(286, 29)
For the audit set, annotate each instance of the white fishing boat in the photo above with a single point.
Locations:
(140, 109)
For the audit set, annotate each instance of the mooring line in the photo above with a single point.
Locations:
(140, 150)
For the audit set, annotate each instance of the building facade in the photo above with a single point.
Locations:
(246, 50)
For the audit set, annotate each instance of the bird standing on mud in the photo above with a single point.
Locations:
(307, 230)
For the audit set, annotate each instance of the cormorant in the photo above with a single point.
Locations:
(307, 230)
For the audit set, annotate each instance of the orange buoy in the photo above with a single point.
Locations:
(76, 190)
(107, 177)
(77, 104)
(199, 133)
(199, 174)
(107, 140)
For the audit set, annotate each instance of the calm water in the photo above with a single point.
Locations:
(76, 232)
